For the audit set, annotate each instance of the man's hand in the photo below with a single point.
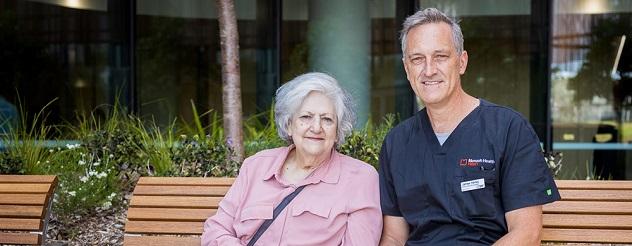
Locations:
(524, 226)
(395, 231)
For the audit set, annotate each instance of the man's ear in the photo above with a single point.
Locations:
(463, 62)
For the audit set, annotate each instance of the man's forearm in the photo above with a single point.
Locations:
(516, 237)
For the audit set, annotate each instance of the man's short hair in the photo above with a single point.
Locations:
(432, 15)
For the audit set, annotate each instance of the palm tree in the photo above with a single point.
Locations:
(231, 97)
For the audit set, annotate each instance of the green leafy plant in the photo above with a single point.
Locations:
(25, 144)
(365, 144)
(261, 133)
(196, 156)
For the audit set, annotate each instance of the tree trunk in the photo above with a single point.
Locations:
(229, 38)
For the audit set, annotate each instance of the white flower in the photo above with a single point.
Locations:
(82, 162)
(72, 146)
(72, 193)
(83, 178)
(111, 156)
(92, 173)
(106, 205)
(96, 163)
(51, 150)
(102, 175)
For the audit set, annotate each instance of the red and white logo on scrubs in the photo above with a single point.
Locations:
(474, 162)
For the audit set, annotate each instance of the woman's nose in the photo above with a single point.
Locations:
(316, 125)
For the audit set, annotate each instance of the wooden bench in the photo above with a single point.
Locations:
(172, 211)
(25, 205)
(590, 212)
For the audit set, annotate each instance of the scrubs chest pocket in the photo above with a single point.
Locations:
(476, 189)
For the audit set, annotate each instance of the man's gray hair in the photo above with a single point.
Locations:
(290, 96)
(432, 15)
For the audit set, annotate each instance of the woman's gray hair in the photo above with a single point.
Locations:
(290, 96)
(432, 15)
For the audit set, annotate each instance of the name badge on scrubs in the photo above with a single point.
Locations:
(472, 185)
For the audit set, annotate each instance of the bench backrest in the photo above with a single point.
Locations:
(25, 202)
(172, 206)
(590, 211)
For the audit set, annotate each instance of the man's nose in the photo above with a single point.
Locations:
(430, 68)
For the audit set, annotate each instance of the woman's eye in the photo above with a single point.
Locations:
(328, 120)
(305, 117)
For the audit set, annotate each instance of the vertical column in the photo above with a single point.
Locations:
(339, 44)
(540, 79)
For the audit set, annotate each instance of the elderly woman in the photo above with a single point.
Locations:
(339, 202)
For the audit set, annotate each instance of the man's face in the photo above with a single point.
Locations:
(432, 65)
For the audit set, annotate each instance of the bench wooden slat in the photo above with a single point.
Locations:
(20, 224)
(172, 214)
(587, 221)
(586, 235)
(181, 190)
(23, 199)
(597, 195)
(19, 238)
(20, 211)
(161, 241)
(24, 188)
(27, 178)
(175, 201)
(163, 227)
(588, 207)
(594, 184)
(186, 181)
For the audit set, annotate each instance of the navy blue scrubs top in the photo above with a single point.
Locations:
(438, 189)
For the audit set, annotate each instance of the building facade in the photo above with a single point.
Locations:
(566, 65)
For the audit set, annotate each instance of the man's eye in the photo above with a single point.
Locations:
(305, 117)
(416, 60)
(328, 120)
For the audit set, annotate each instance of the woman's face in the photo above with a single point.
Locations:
(313, 126)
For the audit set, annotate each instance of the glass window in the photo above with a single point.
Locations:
(592, 87)
(496, 38)
(73, 51)
(179, 56)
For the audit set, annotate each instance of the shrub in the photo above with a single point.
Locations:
(205, 157)
(86, 181)
(365, 144)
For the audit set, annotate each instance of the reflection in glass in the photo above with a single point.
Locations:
(178, 58)
(592, 87)
(72, 51)
(496, 35)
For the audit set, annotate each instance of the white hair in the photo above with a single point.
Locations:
(290, 96)
(432, 15)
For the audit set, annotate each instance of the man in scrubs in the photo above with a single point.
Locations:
(462, 171)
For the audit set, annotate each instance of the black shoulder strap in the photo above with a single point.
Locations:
(275, 213)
